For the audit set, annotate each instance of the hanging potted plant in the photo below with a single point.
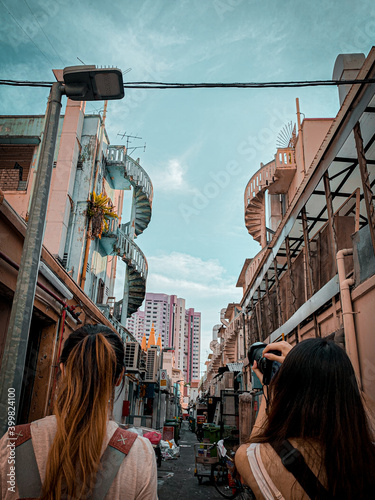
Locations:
(99, 212)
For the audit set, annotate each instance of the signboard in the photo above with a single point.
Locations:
(163, 378)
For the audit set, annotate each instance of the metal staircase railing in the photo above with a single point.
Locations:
(254, 202)
(131, 170)
(276, 176)
(124, 172)
(117, 241)
(131, 254)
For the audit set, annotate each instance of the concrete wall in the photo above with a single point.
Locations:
(63, 178)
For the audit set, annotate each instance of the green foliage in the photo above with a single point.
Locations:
(99, 212)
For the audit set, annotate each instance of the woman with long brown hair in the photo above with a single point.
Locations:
(314, 441)
(79, 453)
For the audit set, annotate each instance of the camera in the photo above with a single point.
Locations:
(267, 367)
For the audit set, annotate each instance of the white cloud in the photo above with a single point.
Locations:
(185, 267)
(170, 178)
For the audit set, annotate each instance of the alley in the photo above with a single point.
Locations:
(176, 477)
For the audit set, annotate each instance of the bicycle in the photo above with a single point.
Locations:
(226, 479)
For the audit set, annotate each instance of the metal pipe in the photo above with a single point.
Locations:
(348, 313)
(300, 135)
(13, 363)
(86, 257)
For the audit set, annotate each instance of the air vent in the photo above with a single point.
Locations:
(151, 365)
(131, 356)
(107, 291)
(65, 260)
(54, 164)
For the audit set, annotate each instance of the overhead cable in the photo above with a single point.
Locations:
(163, 85)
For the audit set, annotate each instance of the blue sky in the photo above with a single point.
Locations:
(202, 145)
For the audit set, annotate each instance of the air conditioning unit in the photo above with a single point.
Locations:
(152, 365)
(131, 356)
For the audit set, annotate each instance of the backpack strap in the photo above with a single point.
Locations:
(27, 473)
(293, 461)
(118, 448)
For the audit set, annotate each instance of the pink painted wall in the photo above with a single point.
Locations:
(63, 178)
(314, 131)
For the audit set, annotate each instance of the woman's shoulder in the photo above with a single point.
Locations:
(48, 422)
(141, 445)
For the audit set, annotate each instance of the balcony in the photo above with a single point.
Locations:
(284, 172)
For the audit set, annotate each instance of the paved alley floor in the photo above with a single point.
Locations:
(176, 477)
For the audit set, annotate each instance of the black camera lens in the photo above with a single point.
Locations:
(267, 367)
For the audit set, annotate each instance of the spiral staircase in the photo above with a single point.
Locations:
(276, 177)
(125, 173)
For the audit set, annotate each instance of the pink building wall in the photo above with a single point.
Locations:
(63, 178)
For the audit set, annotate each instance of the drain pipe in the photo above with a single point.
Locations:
(348, 313)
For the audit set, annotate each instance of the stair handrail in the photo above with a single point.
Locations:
(132, 253)
(262, 178)
(134, 169)
(136, 174)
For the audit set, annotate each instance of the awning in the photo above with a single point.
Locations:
(235, 367)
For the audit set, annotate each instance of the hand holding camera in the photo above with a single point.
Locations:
(282, 347)
(266, 359)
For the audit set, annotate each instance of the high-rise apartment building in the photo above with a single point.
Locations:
(136, 325)
(177, 326)
(192, 344)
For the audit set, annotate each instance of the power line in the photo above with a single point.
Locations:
(308, 83)
(161, 85)
(44, 33)
(17, 83)
(32, 41)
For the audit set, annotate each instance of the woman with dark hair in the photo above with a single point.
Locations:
(79, 452)
(314, 435)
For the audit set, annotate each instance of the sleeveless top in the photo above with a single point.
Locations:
(261, 476)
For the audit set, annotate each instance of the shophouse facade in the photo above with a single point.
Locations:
(311, 208)
(88, 173)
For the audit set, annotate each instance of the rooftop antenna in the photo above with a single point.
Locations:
(128, 141)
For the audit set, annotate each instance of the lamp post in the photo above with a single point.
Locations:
(81, 83)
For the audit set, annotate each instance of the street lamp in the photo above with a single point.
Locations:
(81, 83)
